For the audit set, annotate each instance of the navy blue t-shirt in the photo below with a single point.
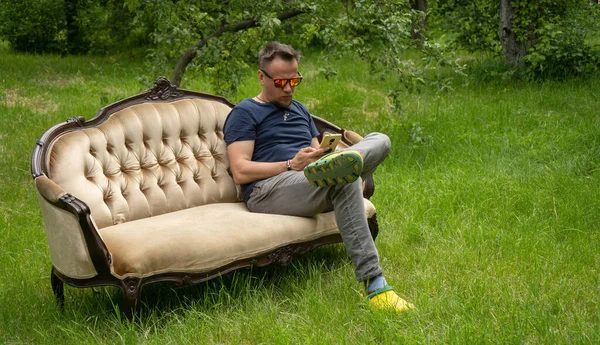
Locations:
(278, 133)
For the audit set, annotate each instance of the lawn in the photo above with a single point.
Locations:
(488, 208)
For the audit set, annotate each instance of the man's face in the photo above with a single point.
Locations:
(278, 68)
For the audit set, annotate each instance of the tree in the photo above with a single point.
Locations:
(546, 38)
(221, 39)
(246, 24)
(514, 49)
(215, 37)
(421, 7)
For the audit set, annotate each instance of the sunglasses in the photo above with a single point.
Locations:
(281, 83)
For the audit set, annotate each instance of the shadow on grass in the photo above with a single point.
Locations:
(228, 291)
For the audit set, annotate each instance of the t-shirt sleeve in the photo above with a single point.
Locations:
(313, 128)
(240, 126)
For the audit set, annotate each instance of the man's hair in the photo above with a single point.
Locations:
(276, 49)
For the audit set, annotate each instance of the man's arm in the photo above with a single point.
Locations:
(314, 143)
(244, 170)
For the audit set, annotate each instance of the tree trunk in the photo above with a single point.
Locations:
(513, 48)
(417, 29)
(191, 53)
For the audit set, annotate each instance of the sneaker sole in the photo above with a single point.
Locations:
(335, 168)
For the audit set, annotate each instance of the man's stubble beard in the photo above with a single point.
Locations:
(280, 105)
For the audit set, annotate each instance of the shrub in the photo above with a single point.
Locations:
(33, 26)
(560, 54)
(561, 49)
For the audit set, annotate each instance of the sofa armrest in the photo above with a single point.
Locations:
(51, 191)
(76, 249)
(352, 137)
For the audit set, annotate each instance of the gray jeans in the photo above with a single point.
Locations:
(290, 193)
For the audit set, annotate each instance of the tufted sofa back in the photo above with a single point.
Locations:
(146, 159)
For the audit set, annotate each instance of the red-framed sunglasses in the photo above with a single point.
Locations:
(281, 83)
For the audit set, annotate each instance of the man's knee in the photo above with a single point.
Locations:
(383, 142)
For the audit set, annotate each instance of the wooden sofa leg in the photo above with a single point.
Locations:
(58, 288)
(373, 226)
(131, 289)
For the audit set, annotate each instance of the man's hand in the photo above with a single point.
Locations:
(244, 170)
(306, 156)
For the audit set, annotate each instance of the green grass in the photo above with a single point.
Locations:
(488, 208)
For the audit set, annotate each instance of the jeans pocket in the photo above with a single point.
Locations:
(254, 199)
(255, 192)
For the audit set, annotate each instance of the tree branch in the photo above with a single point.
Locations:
(191, 53)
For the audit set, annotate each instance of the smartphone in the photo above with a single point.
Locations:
(330, 140)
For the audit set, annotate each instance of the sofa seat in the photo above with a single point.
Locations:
(207, 237)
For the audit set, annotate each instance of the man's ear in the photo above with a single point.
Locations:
(261, 77)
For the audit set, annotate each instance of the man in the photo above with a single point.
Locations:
(271, 140)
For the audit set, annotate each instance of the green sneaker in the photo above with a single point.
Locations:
(335, 168)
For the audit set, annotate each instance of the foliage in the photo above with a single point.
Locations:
(33, 26)
(381, 34)
(555, 31)
(561, 49)
(377, 31)
(472, 24)
(226, 59)
(109, 26)
(100, 26)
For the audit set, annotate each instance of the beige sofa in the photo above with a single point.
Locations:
(143, 193)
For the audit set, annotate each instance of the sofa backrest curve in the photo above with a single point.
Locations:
(146, 159)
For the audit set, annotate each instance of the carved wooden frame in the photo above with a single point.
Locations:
(131, 287)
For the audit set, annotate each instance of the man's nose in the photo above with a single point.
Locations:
(288, 87)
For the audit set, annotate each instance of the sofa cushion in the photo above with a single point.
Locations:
(145, 160)
(204, 238)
